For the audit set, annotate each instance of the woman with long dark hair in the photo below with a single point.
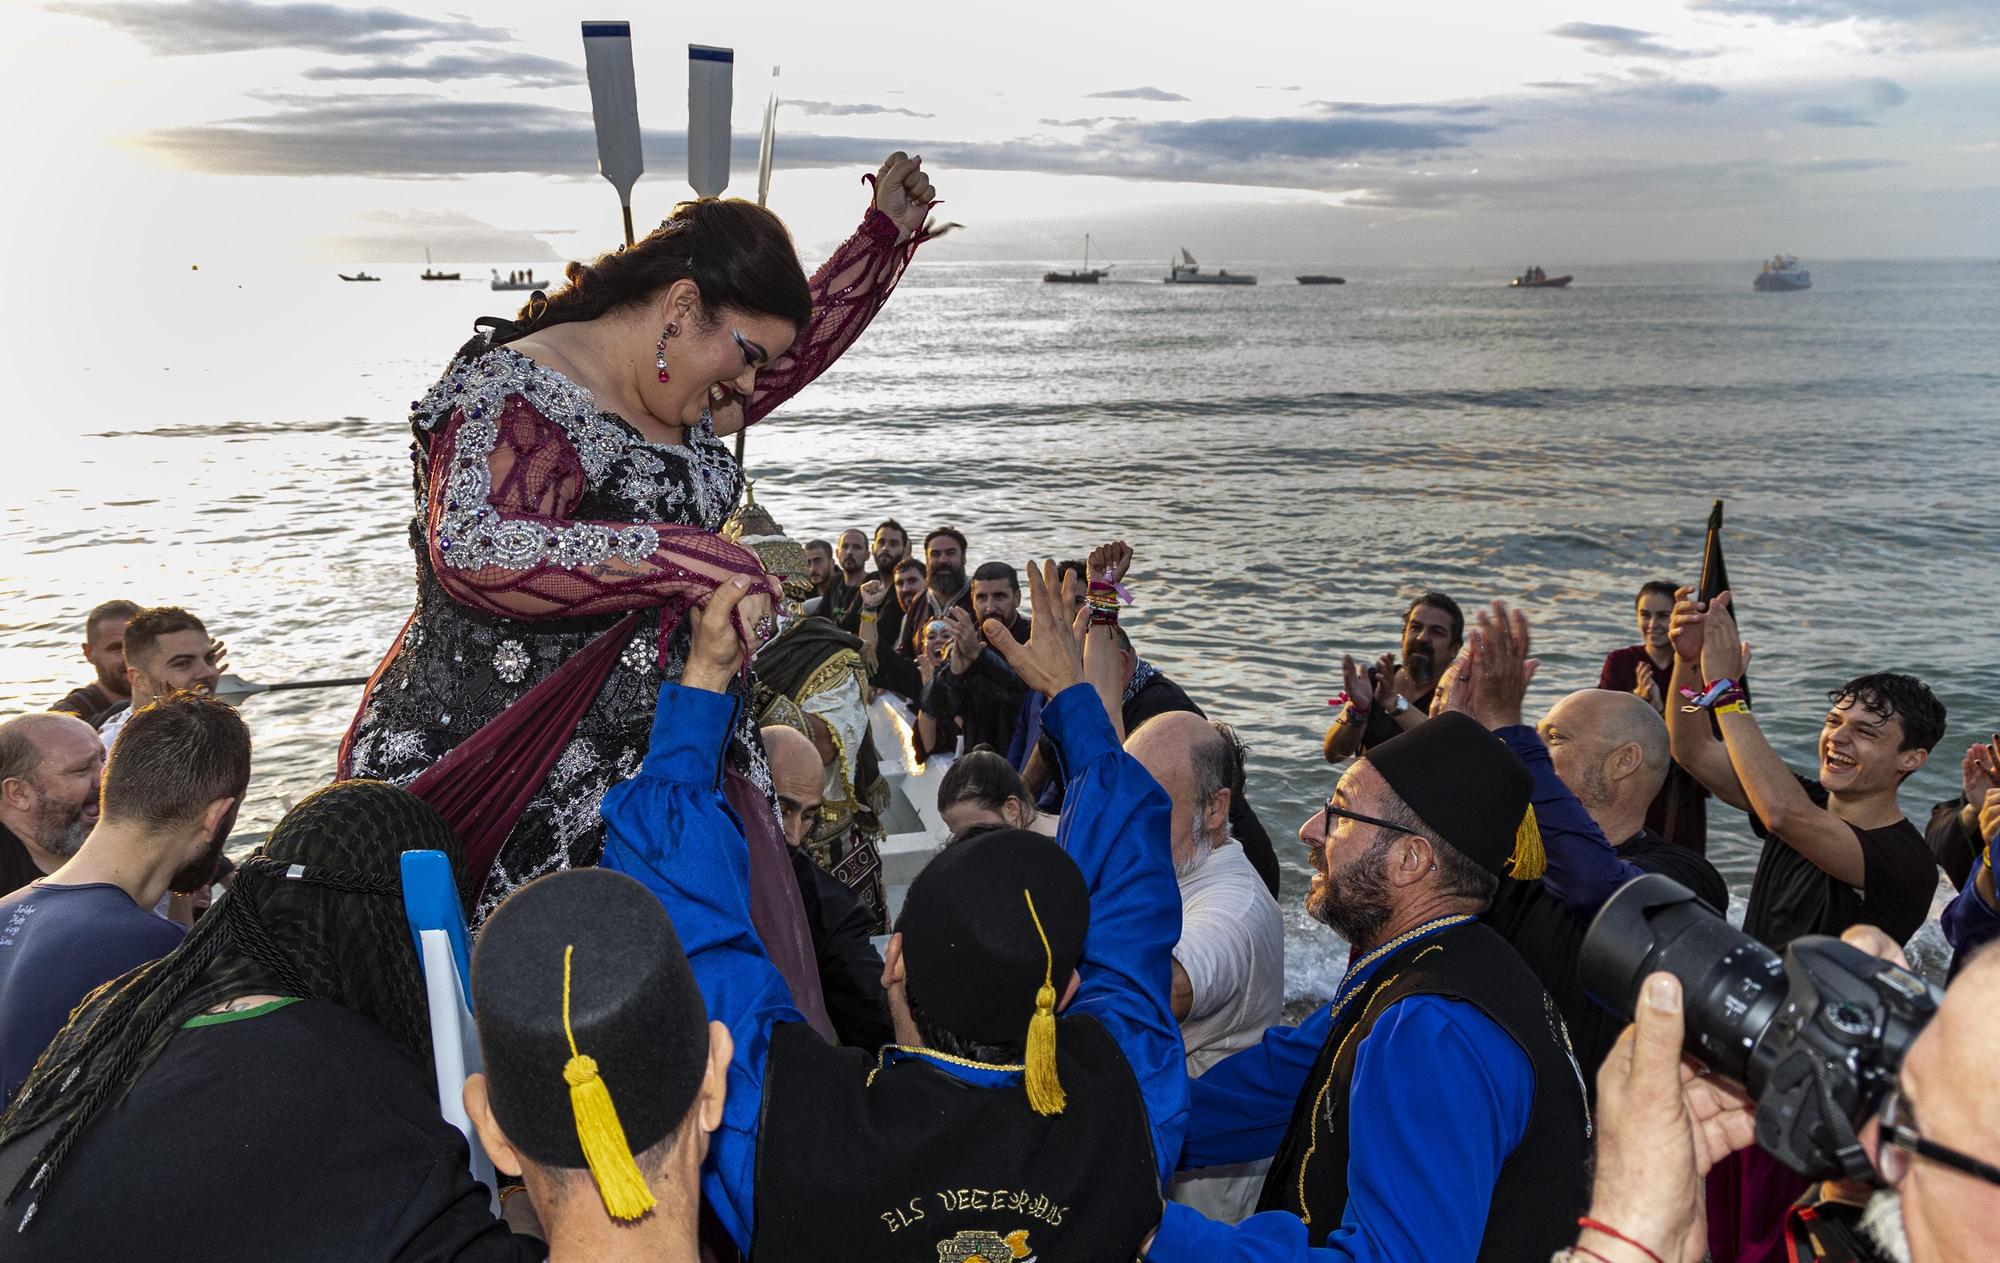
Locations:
(264, 1090)
(569, 482)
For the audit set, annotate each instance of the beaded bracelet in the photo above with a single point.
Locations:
(1103, 604)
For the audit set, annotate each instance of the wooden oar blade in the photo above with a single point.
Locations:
(709, 73)
(767, 143)
(614, 103)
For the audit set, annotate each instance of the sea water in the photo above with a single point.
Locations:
(1291, 464)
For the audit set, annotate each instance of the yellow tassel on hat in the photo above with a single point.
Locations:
(619, 1181)
(1045, 1090)
(1529, 861)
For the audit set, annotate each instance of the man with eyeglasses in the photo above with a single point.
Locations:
(1433, 1110)
(1935, 1140)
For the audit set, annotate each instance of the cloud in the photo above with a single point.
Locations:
(1923, 23)
(1402, 107)
(230, 26)
(421, 136)
(843, 108)
(1623, 41)
(1138, 94)
(384, 236)
(1601, 186)
(1072, 122)
(1833, 116)
(1638, 82)
(527, 70)
(1884, 93)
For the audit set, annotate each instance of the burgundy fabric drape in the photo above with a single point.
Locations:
(776, 907)
(485, 783)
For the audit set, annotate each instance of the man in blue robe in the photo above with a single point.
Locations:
(1076, 1121)
(1432, 1112)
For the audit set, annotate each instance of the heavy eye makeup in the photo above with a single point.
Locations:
(753, 355)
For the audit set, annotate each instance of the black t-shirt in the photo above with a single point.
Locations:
(301, 1132)
(1791, 895)
(1550, 938)
(17, 867)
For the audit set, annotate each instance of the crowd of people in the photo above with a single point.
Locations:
(635, 718)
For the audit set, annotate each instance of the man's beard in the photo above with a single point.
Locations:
(200, 871)
(1882, 1222)
(114, 683)
(1205, 844)
(946, 581)
(1420, 665)
(59, 827)
(885, 564)
(1354, 902)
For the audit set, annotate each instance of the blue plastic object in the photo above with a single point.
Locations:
(430, 902)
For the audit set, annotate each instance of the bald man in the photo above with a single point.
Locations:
(1599, 758)
(1229, 966)
(50, 765)
(850, 970)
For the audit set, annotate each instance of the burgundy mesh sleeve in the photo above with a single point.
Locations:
(502, 538)
(849, 288)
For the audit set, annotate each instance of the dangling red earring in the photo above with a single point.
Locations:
(660, 357)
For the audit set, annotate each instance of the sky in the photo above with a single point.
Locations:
(1448, 132)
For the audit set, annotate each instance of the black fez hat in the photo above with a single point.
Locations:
(990, 928)
(584, 1000)
(1469, 789)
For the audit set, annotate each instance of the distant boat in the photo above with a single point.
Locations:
(358, 276)
(1322, 280)
(1188, 272)
(515, 280)
(1535, 278)
(1782, 274)
(1089, 275)
(432, 274)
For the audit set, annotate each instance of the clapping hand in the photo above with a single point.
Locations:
(904, 193)
(1495, 668)
(1723, 655)
(965, 642)
(1363, 690)
(1684, 625)
(1989, 817)
(1052, 659)
(1647, 686)
(1980, 771)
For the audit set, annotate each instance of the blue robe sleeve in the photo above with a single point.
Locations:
(1440, 1099)
(1969, 922)
(1239, 1109)
(1116, 824)
(1584, 868)
(670, 828)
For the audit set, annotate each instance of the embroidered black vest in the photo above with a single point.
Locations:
(1543, 1185)
(904, 1163)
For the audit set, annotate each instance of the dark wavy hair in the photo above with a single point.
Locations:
(737, 253)
(1891, 694)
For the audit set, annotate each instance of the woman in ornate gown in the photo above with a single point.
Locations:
(570, 477)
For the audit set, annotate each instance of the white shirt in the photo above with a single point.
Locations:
(113, 726)
(1233, 949)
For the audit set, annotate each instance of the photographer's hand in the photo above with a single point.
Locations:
(1660, 1128)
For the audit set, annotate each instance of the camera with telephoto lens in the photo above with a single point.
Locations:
(1816, 1035)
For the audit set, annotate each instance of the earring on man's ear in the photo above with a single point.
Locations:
(660, 355)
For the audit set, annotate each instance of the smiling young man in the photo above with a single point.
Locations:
(166, 649)
(1838, 850)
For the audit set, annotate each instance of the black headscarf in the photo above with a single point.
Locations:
(315, 913)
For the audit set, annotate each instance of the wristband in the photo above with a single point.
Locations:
(1585, 1221)
(866, 617)
(1713, 694)
(1734, 706)
(1103, 604)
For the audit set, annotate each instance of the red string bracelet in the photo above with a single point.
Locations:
(1585, 1221)
(1584, 1249)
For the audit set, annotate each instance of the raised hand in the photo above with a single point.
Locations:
(1723, 655)
(873, 594)
(1360, 690)
(715, 650)
(1115, 557)
(1980, 771)
(1052, 659)
(217, 655)
(1989, 816)
(903, 192)
(1501, 667)
(965, 642)
(1388, 679)
(1684, 625)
